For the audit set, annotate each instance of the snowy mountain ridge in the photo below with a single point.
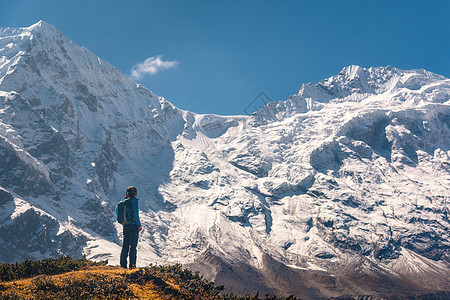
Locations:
(349, 176)
(355, 84)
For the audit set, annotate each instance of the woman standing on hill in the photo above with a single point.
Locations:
(131, 231)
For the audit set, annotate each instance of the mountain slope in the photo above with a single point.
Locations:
(349, 177)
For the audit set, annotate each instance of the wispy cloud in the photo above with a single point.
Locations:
(151, 65)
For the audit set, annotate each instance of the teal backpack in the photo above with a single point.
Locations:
(124, 212)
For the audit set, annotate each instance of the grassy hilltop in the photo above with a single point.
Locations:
(65, 278)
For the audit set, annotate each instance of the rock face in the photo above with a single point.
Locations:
(5, 197)
(340, 191)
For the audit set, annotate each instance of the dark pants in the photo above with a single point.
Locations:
(130, 240)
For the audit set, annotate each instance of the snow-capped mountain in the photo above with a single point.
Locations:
(341, 190)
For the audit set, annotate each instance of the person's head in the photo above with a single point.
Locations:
(131, 192)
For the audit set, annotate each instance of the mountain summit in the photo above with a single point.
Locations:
(339, 191)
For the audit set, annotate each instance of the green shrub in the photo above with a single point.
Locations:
(91, 286)
(192, 285)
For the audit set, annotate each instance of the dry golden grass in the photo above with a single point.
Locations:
(65, 278)
(57, 286)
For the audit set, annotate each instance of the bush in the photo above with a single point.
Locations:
(191, 285)
(91, 286)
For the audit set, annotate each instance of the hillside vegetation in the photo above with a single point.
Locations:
(66, 278)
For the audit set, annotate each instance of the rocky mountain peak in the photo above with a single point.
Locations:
(43, 27)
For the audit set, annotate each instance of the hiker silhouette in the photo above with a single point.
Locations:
(128, 215)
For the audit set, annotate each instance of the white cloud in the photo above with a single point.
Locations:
(151, 65)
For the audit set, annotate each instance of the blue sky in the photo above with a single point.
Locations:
(217, 56)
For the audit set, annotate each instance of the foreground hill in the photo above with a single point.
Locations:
(65, 278)
(342, 189)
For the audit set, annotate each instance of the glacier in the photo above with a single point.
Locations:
(342, 190)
